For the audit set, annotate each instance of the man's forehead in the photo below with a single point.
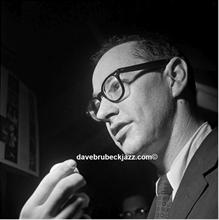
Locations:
(117, 57)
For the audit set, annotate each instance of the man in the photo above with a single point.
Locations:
(134, 207)
(143, 90)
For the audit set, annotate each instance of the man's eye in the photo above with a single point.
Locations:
(114, 87)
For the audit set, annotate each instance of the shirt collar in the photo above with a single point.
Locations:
(180, 163)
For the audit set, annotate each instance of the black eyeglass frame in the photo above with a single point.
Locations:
(147, 67)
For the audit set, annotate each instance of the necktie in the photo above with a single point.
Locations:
(164, 200)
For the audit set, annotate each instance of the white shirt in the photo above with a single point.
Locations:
(181, 162)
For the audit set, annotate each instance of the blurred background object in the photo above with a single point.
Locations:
(135, 207)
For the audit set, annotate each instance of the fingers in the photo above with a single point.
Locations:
(74, 210)
(58, 172)
(85, 197)
(56, 194)
(69, 162)
(63, 191)
(85, 216)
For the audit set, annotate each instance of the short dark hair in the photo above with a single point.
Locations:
(149, 47)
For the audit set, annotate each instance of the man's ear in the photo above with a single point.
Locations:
(177, 74)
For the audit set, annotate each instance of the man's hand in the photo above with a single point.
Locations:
(56, 196)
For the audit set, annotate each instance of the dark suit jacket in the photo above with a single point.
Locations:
(197, 195)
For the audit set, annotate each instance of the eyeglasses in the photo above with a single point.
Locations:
(136, 213)
(113, 88)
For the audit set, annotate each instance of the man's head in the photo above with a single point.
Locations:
(142, 119)
(135, 207)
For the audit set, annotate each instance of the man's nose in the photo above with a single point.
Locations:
(107, 110)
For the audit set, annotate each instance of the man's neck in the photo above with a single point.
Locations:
(184, 127)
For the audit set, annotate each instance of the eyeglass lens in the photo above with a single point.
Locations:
(112, 88)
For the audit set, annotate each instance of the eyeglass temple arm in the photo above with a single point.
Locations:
(149, 65)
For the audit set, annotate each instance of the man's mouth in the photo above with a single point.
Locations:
(120, 130)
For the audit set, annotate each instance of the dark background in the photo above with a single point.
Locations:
(47, 44)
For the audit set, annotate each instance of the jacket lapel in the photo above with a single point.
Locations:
(186, 197)
(194, 182)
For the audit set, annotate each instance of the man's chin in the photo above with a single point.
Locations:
(135, 147)
(122, 146)
(129, 148)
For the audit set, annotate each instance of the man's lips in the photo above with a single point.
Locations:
(116, 128)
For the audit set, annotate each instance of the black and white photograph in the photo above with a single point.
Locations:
(109, 109)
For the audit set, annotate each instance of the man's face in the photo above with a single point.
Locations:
(132, 207)
(139, 124)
